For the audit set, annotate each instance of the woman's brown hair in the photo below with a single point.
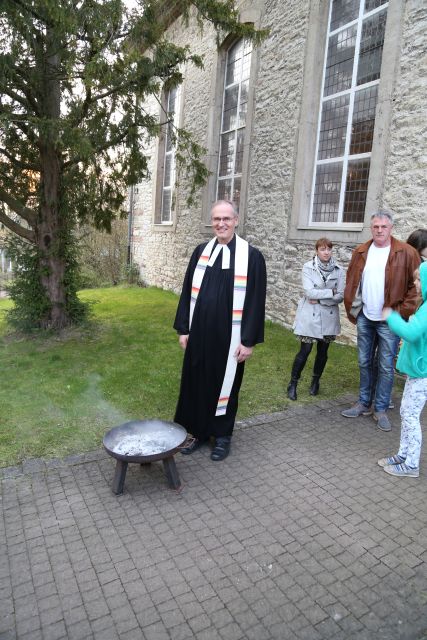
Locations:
(323, 242)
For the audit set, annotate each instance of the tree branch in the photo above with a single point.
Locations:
(19, 163)
(15, 96)
(28, 234)
(102, 147)
(29, 215)
(32, 12)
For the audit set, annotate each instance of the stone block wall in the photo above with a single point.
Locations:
(163, 253)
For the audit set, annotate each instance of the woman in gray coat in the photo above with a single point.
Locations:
(317, 318)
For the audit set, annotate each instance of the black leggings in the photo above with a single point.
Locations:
(302, 355)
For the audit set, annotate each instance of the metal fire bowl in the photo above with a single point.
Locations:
(144, 440)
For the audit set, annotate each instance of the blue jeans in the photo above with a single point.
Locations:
(371, 333)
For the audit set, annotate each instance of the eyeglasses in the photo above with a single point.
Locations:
(219, 220)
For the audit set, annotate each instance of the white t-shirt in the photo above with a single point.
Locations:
(373, 281)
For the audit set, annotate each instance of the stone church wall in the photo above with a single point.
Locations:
(163, 253)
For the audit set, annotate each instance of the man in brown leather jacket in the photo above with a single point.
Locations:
(380, 274)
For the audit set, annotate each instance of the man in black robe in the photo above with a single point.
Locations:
(207, 343)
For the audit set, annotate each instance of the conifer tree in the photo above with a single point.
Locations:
(74, 75)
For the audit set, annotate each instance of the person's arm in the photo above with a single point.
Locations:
(409, 303)
(409, 331)
(311, 292)
(182, 318)
(252, 331)
(337, 292)
(352, 283)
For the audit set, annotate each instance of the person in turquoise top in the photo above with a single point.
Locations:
(412, 361)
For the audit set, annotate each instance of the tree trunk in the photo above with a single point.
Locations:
(51, 228)
(50, 241)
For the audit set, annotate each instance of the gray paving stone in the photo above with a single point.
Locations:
(244, 551)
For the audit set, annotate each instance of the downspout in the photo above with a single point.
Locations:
(130, 225)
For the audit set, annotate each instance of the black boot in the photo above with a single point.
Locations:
(297, 367)
(314, 387)
(319, 365)
(292, 390)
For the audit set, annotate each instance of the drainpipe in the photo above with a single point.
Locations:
(130, 224)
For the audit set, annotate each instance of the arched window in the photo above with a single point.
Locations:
(233, 121)
(167, 160)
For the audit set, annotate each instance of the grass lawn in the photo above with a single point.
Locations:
(60, 395)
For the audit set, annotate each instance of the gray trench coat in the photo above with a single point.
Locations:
(323, 318)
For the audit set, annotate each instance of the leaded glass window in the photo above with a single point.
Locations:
(347, 111)
(168, 178)
(233, 121)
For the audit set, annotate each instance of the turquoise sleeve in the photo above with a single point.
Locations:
(412, 330)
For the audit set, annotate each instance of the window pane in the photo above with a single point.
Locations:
(327, 192)
(243, 105)
(167, 174)
(224, 190)
(226, 156)
(236, 191)
(343, 11)
(246, 66)
(339, 64)
(373, 4)
(234, 63)
(231, 97)
(166, 205)
(355, 190)
(239, 151)
(371, 48)
(172, 100)
(362, 130)
(170, 137)
(333, 127)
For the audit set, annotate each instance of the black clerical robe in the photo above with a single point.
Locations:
(205, 357)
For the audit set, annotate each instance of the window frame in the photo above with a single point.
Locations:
(160, 163)
(233, 175)
(249, 15)
(300, 225)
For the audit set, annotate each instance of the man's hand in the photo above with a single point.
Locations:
(183, 341)
(242, 353)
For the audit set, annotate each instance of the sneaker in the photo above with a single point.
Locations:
(402, 470)
(382, 421)
(391, 404)
(383, 462)
(356, 410)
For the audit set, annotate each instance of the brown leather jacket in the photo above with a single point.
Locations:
(399, 289)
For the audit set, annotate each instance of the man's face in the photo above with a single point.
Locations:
(224, 222)
(381, 229)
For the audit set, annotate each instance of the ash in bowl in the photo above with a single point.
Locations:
(140, 445)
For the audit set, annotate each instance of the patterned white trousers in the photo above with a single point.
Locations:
(413, 401)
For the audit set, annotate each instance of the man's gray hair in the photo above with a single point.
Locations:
(232, 205)
(383, 213)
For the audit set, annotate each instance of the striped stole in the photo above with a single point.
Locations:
(208, 258)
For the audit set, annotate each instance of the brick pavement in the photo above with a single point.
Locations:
(297, 535)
